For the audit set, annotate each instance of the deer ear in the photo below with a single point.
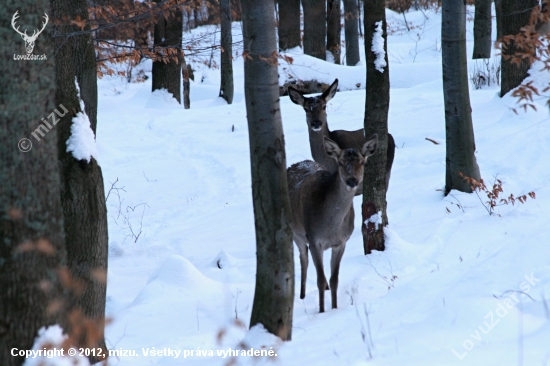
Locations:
(332, 148)
(295, 96)
(370, 146)
(329, 93)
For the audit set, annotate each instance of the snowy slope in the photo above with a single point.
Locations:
(187, 189)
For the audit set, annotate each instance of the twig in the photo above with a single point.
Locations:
(435, 142)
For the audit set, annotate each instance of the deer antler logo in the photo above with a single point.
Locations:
(29, 40)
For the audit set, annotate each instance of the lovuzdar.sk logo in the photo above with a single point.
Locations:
(29, 40)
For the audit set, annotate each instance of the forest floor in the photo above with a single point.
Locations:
(455, 285)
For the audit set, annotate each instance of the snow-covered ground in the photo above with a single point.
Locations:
(455, 286)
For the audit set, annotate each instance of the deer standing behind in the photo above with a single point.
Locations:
(322, 209)
(316, 116)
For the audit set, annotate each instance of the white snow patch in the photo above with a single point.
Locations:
(50, 339)
(82, 140)
(378, 47)
(376, 219)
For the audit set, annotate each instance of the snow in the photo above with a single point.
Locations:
(441, 282)
(47, 347)
(81, 143)
(376, 219)
(378, 47)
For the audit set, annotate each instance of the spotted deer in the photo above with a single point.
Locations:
(316, 117)
(322, 209)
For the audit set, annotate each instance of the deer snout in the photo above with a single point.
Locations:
(351, 183)
(316, 125)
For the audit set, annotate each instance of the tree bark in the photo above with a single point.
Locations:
(351, 32)
(82, 190)
(482, 29)
(274, 292)
(315, 28)
(460, 142)
(186, 70)
(168, 33)
(32, 243)
(515, 14)
(498, 11)
(333, 29)
(376, 121)
(226, 89)
(289, 24)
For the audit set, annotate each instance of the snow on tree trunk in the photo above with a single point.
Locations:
(376, 121)
(274, 291)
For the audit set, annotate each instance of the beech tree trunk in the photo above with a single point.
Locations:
(82, 190)
(376, 121)
(289, 24)
(515, 14)
(333, 29)
(351, 32)
(274, 292)
(226, 89)
(482, 29)
(168, 33)
(32, 242)
(460, 142)
(315, 28)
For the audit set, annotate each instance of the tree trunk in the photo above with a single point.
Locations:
(32, 243)
(459, 130)
(82, 190)
(274, 292)
(482, 29)
(186, 70)
(168, 33)
(515, 14)
(351, 32)
(289, 24)
(376, 121)
(333, 29)
(315, 28)
(498, 11)
(226, 89)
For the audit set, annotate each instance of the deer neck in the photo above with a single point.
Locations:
(317, 146)
(338, 199)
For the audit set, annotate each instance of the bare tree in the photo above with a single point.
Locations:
(274, 292)
(482, 29)
(515, 15)
(460, 142)
(333, 29)
(315, 28)
(289, 24)
(351, 14)
(376, 121)
(226, 89)
(82, 191)
(32, 243)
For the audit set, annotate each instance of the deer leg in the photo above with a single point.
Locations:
(337, 253)
(302, 248)
(317, 256)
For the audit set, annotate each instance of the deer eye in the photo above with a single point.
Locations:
(324, 107)
(340, 163)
